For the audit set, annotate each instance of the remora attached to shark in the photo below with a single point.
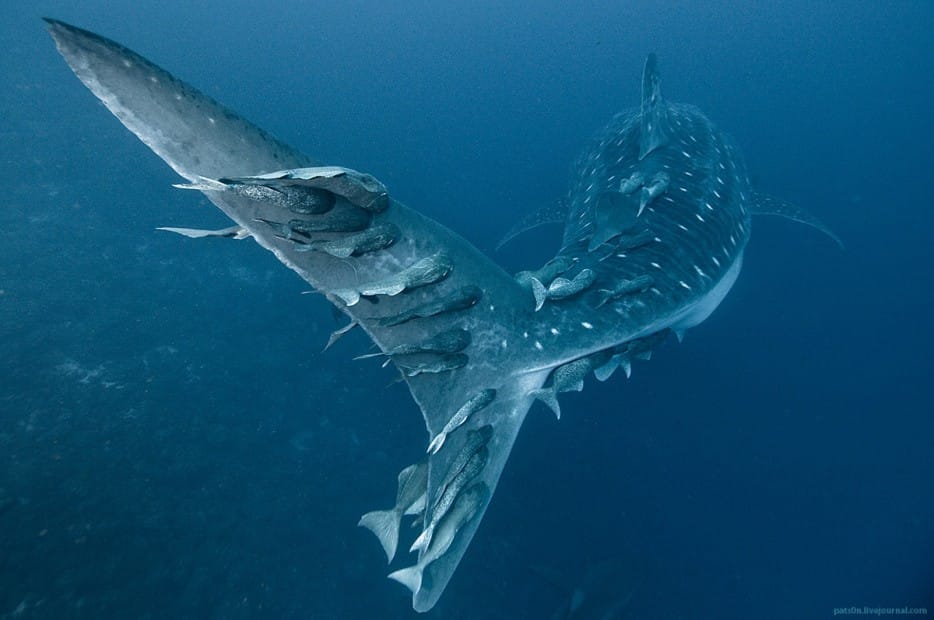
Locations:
(657, 219)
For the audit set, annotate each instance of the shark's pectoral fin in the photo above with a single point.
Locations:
(555, 213)
(764, 204)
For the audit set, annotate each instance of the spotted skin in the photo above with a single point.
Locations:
(688, 239)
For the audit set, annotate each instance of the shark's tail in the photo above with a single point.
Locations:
(422, 275)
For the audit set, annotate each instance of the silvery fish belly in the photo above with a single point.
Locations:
(657, 219)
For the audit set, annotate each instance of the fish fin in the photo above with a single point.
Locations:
(202, 184)
(235, 232)
(341, 252)
(437, 442)
(764, 204)
(424, 539)
(555, 213)
(626, 365)
(548, 397)
(350, 297)
(337, 334)
(606, 370)
(654, 130)
(539, 292)
(418, 506)
(410, 577)
(614, 214)
(404, 476)
(385, 525)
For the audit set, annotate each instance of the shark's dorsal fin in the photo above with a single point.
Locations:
(654, 128)
(764, 204)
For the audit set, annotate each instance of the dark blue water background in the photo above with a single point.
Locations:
(174, 445)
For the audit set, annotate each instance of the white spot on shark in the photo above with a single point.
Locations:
(586, 325)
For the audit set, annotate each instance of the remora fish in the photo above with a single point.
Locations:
(450, 341)
(461, 299)
(443, 363)
(429, 270)
(232, 232)
(410, 499)
(701, 224)
(464, 509)
(455, 485)
(358, 188)
(373, 239)
(478, 402)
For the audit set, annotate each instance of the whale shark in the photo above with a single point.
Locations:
(656, 220)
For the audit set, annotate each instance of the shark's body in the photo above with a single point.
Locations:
(661, 200)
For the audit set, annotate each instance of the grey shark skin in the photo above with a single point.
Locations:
(699, 221)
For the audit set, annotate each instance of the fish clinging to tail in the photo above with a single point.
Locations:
(655, 224)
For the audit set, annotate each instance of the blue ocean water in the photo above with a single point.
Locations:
(173, 443)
